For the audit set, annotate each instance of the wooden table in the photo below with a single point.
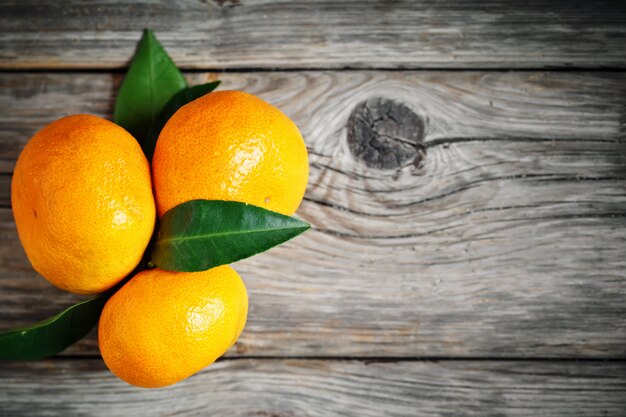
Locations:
(467, 192)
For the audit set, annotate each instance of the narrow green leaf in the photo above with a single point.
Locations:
(181, 98)
(151, 81)
(55, 334)
(202, 234)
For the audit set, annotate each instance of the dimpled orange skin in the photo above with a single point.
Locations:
(164, 326)
(82, 200)
(230, 145)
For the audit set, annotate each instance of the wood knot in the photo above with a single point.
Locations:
(385, 134)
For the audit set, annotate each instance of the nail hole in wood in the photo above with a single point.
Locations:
(385, 134)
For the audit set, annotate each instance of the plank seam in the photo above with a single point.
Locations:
(378, 359)
(122, 70)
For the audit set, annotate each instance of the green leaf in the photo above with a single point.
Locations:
(202, 234)
(181, 98)
(55, 334)
(151, 81)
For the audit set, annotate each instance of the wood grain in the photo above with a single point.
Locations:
(317, 34)
(506, 240)
(285, 388)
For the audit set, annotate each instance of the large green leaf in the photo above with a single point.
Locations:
(201, 234)
(181, 98)
(151, 81)
(55, 334)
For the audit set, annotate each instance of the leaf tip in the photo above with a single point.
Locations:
(149, 38)
(302, 224)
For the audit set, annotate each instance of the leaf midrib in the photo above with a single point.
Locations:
(240, 232)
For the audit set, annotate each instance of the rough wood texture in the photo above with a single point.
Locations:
(286, 388)
(506, 239)
(317, 34)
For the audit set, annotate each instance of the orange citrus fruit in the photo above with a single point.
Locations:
(230, 145)
(83, 204)
(163, 326)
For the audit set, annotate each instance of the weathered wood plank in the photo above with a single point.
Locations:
(506, 239)
(317, 34)
(461, 105)
(323, 388)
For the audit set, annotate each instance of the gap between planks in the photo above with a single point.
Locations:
(245, 70)
(385, 359)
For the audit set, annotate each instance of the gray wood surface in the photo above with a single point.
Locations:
(317, 34)
(286, 388)
(505, 239)
(477, 217)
